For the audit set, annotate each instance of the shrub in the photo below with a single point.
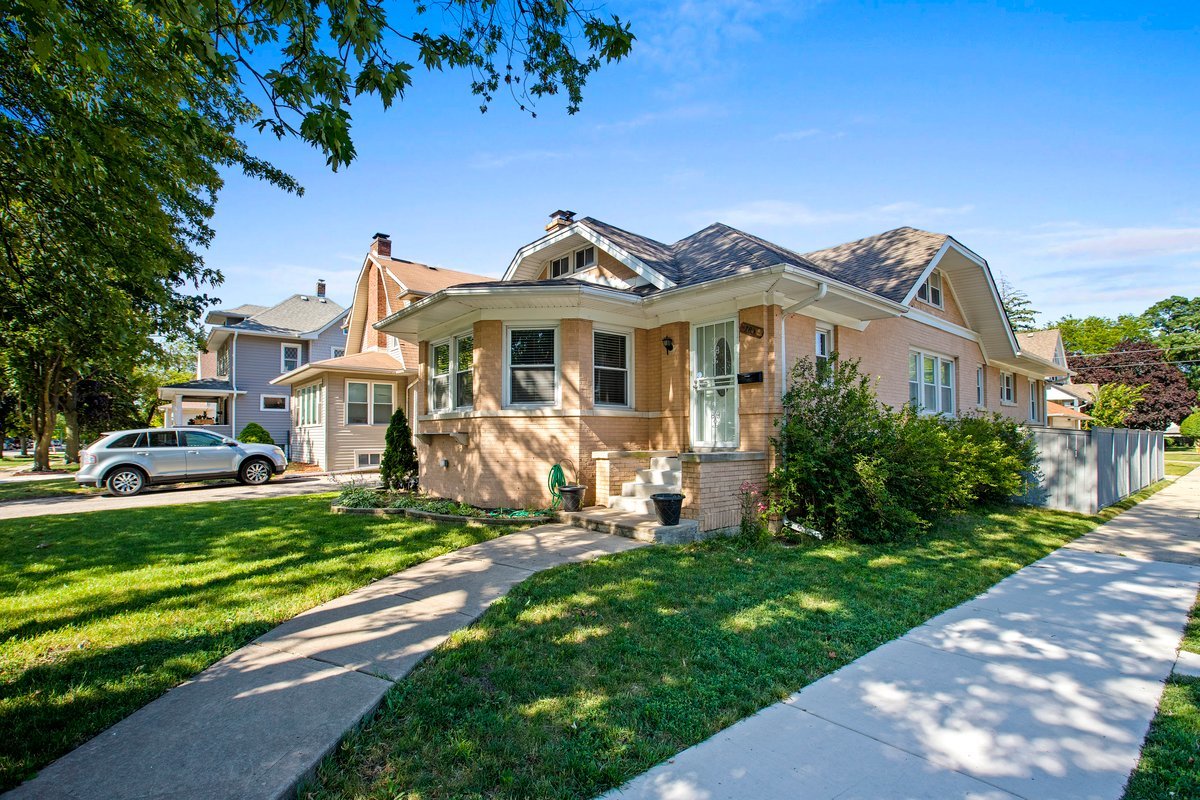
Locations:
(852, 468)
(398, 465)
(1190, 427)
(255, 434)
(359, 497)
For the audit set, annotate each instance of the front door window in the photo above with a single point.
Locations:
(714, 385)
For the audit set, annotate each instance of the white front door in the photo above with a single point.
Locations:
(714, 385)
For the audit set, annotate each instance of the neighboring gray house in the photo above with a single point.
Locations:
(247, 347)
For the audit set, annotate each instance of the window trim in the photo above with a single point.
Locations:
(451, 376)
(370, 403)
(941, 358)
(333, 351)
(287, 403)
(283, 346)
(571, 256)
(1035, 406)
(827, 330)
(1008, 380)
(629, 353)
(533, 326)
(927, 290)
(314, 392)
(358, 453)
(981, 386)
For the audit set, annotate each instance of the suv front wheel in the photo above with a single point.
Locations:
(255, 472)
(125, 481)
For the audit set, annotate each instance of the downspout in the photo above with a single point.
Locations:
(233, 383)
(815, 297)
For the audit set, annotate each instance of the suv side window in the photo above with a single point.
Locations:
(200, 439)
(163, 439)
(126, 441)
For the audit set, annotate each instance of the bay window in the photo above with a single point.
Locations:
(610, 356)
(532, 374)
(931, 383)
(452, 373)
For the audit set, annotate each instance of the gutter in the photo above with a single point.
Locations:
(815, 297)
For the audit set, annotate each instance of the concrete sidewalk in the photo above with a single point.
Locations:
(1043, 687)
(257, 722)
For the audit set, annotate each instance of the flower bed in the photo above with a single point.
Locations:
(361, 500)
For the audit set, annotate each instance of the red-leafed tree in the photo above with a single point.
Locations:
(1168, 398)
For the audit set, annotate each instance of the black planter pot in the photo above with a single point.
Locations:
(667, 507)
(572, 497)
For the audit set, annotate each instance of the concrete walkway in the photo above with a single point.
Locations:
(257, 722)
(1043, 687)
(215, 492)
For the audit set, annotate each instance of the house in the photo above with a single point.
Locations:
(1061, 416)
(648, 366)
(1077, 396)
(341, 405)
(247, 347)
(1047, 344)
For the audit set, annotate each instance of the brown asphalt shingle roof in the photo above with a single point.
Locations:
(887, 264)
(424, 279)
(1040, 343)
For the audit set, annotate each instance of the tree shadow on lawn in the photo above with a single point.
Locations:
(586, 675)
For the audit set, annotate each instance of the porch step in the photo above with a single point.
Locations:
(643, 527)
(632, 505)
(639, 489)
(665, 462)
(665, 477)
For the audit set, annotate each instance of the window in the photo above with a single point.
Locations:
(358, 410)
(560, 267)
(610, 356)
(583, 258)
(337, 352)
(365, 460)
(381, 403)
(163, 439)
(223, 360)
(931, 383)
(931, 289)
(532, 366)
(439, 381)
(200, 439)
(981, 387)
(464, 371)
(127, 441)
(289, 357)
(1008, 389)
(273, 402)
(308, 401)
(824, 344)
(1035, 404)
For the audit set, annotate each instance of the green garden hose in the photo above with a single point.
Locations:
(554, 482)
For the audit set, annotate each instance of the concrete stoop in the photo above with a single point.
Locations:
(642, 527)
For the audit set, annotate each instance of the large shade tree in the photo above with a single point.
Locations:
(1166, 398)
(118, 119)
(1094, 335)
(1175, 324)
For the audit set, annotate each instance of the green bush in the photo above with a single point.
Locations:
(255, 434)
(850, 467)
(1190, 427)
(359, 497)
(398, 465)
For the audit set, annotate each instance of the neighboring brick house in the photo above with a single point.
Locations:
(341, 406)
(246, 348)
(649, 366)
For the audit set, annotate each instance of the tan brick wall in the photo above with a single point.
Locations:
(712, 491)
(950, 310)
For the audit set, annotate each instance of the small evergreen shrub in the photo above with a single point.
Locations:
(255, 434)
(1190, 427)
(853, 468)
(398, 465)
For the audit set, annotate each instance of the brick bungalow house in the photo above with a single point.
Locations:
(651, 366)
(341, 406)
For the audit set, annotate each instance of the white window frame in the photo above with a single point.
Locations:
(359, 453)
(283, 346)
(1035, 407)
(308, 405)
(939, 360)
(927, 289)
(370, 403)
(571, 258)
(981, 386)
(451, 377)
(1008, 389)
(337, 352)
(823, 333)
(262, 403)
(628, 336)
(533, 326)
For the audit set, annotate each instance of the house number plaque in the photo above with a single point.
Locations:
(751, 330)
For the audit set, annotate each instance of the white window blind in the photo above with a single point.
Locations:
(611, 368)
(532, 366)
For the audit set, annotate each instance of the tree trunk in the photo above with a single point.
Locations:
(45, 412)
(71, 428)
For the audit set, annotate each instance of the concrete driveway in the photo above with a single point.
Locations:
(214, 492)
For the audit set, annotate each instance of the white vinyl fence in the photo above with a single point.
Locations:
(1086, 471)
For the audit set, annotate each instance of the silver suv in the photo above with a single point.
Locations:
(127, 461)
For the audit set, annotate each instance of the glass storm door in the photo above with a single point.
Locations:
(714, 385)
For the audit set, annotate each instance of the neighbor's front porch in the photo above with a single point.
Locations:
(204, 402)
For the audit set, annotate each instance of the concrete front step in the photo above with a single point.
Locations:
(637, 489)
(667, 477)
(665, 462)
(632, 505)
(642, 527)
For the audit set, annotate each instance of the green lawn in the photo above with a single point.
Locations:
(589, 674)
(19, 462)
(53, 487)
(1180, 468)
(101, 613)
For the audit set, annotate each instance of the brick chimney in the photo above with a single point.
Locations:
(381, 245)
(320, 287)
(560, 219)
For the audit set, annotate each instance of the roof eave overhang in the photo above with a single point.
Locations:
(170, 392)
(578, 228)
(310, 372)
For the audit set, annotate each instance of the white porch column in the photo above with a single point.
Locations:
(177, 411)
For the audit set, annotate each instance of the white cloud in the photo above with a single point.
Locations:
(783, 213)
(795, 136)
(677, 114)
(501, 160)
(1120, 244)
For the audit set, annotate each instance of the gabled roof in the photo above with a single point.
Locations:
(1054, 409)
(424, 279)
(297, 315)
(1081, 391)
(887, 264)
(1040, 343)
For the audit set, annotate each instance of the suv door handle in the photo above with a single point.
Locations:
(142, 453)
(193, 452)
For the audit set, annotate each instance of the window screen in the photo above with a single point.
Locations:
(357, 407)
(531, 359)
(611, 357)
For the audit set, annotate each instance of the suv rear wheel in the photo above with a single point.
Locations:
(125, 481)
(255, 472)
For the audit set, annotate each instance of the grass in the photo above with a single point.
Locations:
(587, 675)
(25, 462)
(32, 490)
(1179, 469)
(100, 613)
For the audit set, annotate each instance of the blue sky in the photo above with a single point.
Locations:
(1057, 140)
